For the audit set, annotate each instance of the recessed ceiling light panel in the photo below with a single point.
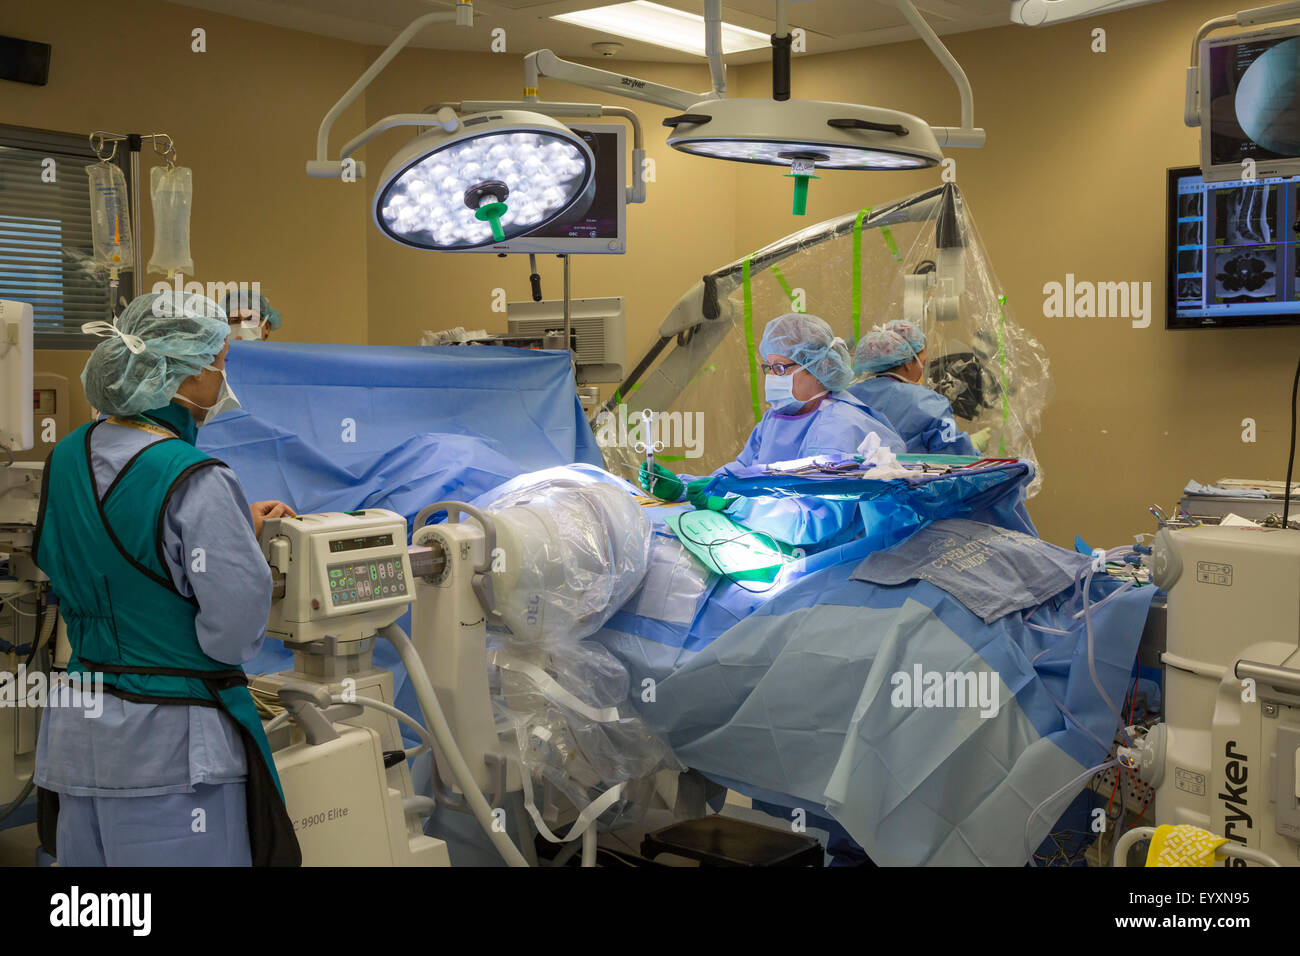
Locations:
(662, 26)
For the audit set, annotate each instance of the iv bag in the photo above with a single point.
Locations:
(171, 189)
(110, 218)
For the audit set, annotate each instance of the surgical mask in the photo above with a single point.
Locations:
(249, 331)
(226, 401)
(778, 390)
(249, 327)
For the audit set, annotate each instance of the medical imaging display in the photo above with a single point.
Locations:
(1232, 252)
(1245, 275)
(1254, 100)
(1190, 290)
(1189, 261)
(600, 219)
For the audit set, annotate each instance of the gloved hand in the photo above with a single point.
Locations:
(980, 439)
(663, 484)
(696, 496)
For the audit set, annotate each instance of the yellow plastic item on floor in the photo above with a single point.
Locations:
(1183, 845)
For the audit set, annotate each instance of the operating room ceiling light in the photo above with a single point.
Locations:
(662, 26)
(778, 132)
(803, 135)
(497, 176)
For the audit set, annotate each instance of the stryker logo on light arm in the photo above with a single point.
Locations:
(1235, 774)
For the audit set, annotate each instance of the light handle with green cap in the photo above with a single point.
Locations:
(488, 200)
(801, 170)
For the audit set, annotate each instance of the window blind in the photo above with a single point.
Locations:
(46, 253)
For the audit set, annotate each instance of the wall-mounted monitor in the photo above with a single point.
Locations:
(1250, 103)
(600, 227)
(1233, 257)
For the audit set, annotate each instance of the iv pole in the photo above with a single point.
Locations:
(167, 150)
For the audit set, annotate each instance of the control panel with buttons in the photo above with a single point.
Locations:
(341, 574)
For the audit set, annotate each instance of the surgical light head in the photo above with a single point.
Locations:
(804, 135)
(495, 177)
(776, 133)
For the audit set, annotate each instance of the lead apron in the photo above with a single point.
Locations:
(126, 620)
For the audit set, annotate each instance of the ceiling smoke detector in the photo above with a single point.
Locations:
(607, 47)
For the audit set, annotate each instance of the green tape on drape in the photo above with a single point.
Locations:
(707, 368)
(857, 273)
(750, 345)
(785, 286)
(889, 241)
(618, 395)
(1002, 357)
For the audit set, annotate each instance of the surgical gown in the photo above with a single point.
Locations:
(923, 417)
(838, 425)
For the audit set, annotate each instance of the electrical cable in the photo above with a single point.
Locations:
(1087, 774)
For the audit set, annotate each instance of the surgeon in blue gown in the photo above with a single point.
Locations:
(806, 370)
(894, 355)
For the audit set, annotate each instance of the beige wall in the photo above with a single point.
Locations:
(243, 116)
(1072, 180)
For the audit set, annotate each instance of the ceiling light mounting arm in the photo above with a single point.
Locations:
(546, 63)
(324, 168)
(1257, 16)
(445, 117)
(782, 43)
(967, 135)
(1041, 13)
(713, 45)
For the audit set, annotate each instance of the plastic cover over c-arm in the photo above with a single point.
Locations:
(572, 549)
(920, 256)
(571, 553)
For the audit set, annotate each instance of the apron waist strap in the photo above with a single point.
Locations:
(232, 677)
(167, 701)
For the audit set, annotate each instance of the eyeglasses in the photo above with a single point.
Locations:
(779, 369)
